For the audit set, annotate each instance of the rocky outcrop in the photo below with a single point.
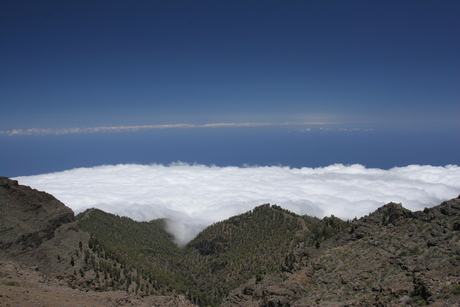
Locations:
(35, 227)
(393, 257)
(28, 216)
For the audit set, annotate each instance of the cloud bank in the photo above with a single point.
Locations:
(195, 196)
(77, 130)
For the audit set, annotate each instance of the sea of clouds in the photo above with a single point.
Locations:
(195, 196)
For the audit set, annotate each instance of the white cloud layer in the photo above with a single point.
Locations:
(195, 196)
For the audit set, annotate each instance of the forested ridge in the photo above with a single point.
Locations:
(270, 256)
(219, 259)
(144, 250)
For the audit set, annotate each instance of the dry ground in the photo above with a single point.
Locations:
(24, 287)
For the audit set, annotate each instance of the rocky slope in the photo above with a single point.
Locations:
(36, 228)
(393, 257)
(23, 286)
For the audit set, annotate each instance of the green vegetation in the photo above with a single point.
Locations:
(456, 289)
(419, 301)
(248, 245)
(130, 255)
(321, 230)
(11, 283)
(141, 256)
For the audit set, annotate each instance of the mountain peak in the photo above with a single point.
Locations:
(393, 213)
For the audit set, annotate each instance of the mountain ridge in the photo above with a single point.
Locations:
(267, 256)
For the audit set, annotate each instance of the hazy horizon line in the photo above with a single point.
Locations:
(133, 128)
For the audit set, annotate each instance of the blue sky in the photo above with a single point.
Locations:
(322, 107)
(112, 63)
(295, 83)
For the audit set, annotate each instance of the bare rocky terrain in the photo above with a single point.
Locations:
(23, 286)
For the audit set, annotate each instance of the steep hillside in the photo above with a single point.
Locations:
(62, 260)
(37, 229)
(252, 244)
(220, 258)
(146, 257)
(392, 257)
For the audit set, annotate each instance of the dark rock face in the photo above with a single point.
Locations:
(31, 223)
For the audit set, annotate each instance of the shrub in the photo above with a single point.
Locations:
(418, 300)
(456, 289)
(11, 283)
